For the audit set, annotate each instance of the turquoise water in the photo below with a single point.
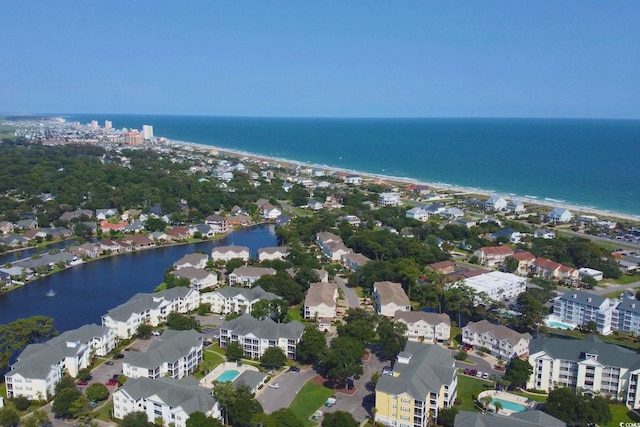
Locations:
(559, 325)
(514, 407)
(228, 375)
(592, 163)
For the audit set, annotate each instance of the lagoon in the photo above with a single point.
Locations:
(85, 292)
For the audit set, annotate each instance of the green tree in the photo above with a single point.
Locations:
(38, 418)
(204, 309)
(339, 419)
(135, 419)
(361, 330)
(284, 418)
(199, 419)
(261, 309)
(84, 374)
(343, 359)
(64, 403)
(21, 403)
(226, 394)
(312, 346)
(273, 357)
(144, 331)
(234, 352)
(279, 310)
(518, 372)
(155, 224)
(244, 408)
(97, 392)
(65, 383)
(447, 416)
(9, 417)
(511, 264)
(180, 322)
(14, 336)
(391, 337)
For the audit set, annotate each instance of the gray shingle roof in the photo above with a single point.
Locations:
(572, 349)
(264, 329)
(586, 298)
(141, 302)
(428, 370)
(171, 346)
(251, 294)
(249, 378)
(521, 419)
(631, 305)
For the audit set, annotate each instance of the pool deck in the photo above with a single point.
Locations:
(507, 397)
(208, 380)
(551, 321)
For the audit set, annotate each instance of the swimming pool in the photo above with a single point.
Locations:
(510, 406)
(559, 325)
(227, 376)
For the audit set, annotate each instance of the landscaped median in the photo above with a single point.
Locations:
(310, 398)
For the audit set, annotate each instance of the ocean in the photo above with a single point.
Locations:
(584, 162)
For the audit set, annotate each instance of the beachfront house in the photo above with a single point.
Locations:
(559, 215)
(495, 203)
(389, 199)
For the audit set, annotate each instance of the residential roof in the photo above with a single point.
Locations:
(572, 349)
(582, 297)
(233, 249)
(192, 273)
(274, 250)
(523, 256)
(321, 293)
(183, 393)
(629, 304)
(141, 302)
(391, 292)
(429, 368)
(416, 316)
(171, 346)
(252, 379)
(264, 329)
(251, 294)
(533, 418)
(497, 250)
(250, 271)
(192, 259)
(498, 331)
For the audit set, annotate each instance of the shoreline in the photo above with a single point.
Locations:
(438, 186)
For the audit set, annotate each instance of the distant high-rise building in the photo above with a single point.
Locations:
(108, 124)
(133, 137)
(147, 131)
(94, 124)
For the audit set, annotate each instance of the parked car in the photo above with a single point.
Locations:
(119, 356)
(274, 385)
(109, 362)
(466, 371)
(94, 404)
(485, 376)
(294, 369)
(479, 374)
(473, 372)
(82, 382)
(115, 376)
(111, 383)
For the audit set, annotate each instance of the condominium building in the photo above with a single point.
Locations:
(172, 400)
(133, 137)
(493, 256)
(175, 354)
(423, 381)
(502, 342)
(151, 309)
(147, 131)
(256, 336)
(231, 299)
(497, 285)
(321, 301)
(588, 364)
(425, 327)
(579, 308)
(40, 366)
(227, 253)
(247, 275)
(626, 316)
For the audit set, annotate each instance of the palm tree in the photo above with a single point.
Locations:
(486, 401)
(498, 406)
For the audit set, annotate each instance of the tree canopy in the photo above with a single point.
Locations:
(518, 372)
(576, 408)
(16, 335)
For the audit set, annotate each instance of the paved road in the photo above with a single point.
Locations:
(481, 364)
(615, 288)
(352, 298)
(614, 242)
(290, 383)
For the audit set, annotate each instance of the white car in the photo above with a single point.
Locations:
(479, 374)
(485, 376)
(274, 385)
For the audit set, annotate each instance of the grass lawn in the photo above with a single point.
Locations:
(214, 358)
(295, 313)
(309, 399)
(536, 397)
(625, 279)
(3, 389)
(104, 413)
(468, 389)
(621, 414)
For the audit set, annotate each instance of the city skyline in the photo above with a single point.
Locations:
(418, 59)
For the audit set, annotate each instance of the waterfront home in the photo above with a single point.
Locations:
(160, 237)
(13, 240)
(231, 299)
(218, 223)
(110, 246)
(389, 199)
(5, 279)
(320, 303)
(239, 220)
(174, 354)
(354, 261)
(547, 269)
(6, 227)
(495, 203)
(247, 275)
(389, 298)
(40, 366)
(199, 279)
(493, 256)
(353, 180)
(560, 215)
(195, 260)
(151, 309)
(579, 308)
(424, 380)
(89, 250)
(497, 285)
(501, 342)
(206, 231)
(516, 206)
(138, 242)
(268, 211)
(256, 336)
(589, 365)
(179, 233)
(273, 253)
(171, 400)
(227, 253)
(424, 326)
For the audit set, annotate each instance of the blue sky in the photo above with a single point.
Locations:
(331, 59)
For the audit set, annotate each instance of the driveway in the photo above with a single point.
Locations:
(290, 384)
(352, 298)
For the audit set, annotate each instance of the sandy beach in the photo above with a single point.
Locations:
(400, 181)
